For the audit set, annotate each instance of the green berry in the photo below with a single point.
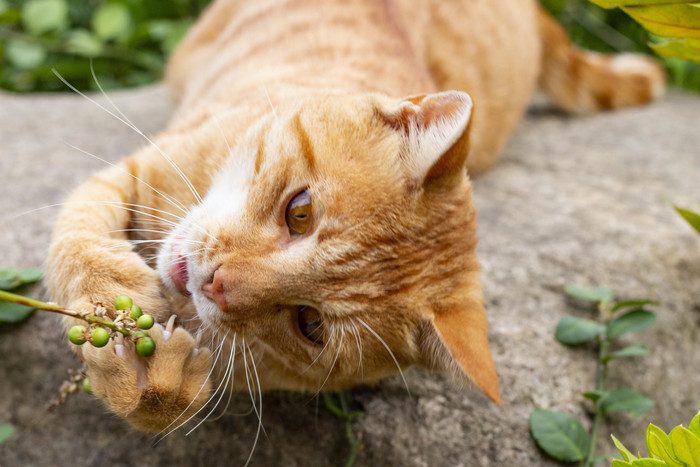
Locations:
(123, 302)
(100, 337)
(76, 335)
(138, 335)
(145, 322)
(136, 312)
(86, 385)
(145, 346)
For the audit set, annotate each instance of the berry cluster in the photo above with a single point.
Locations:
(130, 321)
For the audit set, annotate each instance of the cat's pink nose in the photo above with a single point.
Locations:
(214, 290)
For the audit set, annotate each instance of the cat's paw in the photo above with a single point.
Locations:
(154, 393)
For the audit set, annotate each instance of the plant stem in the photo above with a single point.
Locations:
(601, 378)
(54, 308)
(344, 414)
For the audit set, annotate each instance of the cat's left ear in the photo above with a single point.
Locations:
(456, 342)
(435, 134)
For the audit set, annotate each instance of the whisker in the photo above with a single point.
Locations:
(325, 345)
(269, 101)
(230, 393)
(163, 196)
(228, 146)
(121, 205)
(388, 350)
(103, 203)
(260, 425)
(218, 354)
(356, 333)
(229, 366)
(335, 359)
(135, 129)
(245, 363)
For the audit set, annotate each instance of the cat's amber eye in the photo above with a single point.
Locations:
(298, 214)
(310, 324)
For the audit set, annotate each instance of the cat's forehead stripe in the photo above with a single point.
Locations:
(306, 150)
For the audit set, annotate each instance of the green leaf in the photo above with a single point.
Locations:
(626, 454)
(633, 303)
(619, 463)
(634, 350)
(6, 431)
(687, 49)
(633, 321)
(4, 6)
(83, 42)
(559, 435)
(694, 426)
(13, 313)
(681, 21)
(594, 395)
(40, 16)
(30, 275)
(686, 446)
(691, 217)
(659, 445)
(626, 400)
(601, 294)
(621, 3)
(168, 32)
(25, 55)
(112, 21)
(648, 463)
(9, 279)
(571, 330)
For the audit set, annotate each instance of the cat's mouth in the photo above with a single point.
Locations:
(178, 269)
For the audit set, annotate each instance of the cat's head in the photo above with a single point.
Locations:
(340, 235)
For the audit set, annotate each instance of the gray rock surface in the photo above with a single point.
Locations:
(573, 201)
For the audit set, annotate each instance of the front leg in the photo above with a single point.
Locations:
(90, 259)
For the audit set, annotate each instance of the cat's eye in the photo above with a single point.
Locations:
(298, 213)
(310, 324)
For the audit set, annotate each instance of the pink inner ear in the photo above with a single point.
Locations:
(434, 130)
(425, 110)
(443, 106)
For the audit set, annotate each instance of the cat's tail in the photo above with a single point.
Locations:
(583, 81)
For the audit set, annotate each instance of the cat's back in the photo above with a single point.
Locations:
(257, 36)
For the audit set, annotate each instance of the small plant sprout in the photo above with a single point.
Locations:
(347, 416)
(77, 380)
(564, 437)
(100, 328)
(691, 217)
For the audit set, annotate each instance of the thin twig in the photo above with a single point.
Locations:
(55, 308)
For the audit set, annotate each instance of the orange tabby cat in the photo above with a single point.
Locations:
(334, 240)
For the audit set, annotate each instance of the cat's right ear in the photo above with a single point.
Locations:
(434, 131)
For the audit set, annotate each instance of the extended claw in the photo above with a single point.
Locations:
(169, 327)
(119, 345)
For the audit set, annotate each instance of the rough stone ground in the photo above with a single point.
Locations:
(573, 201)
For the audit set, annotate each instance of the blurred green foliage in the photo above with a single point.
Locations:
(595, 28)
(126, 41)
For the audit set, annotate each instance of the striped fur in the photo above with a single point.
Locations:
(342, 99)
